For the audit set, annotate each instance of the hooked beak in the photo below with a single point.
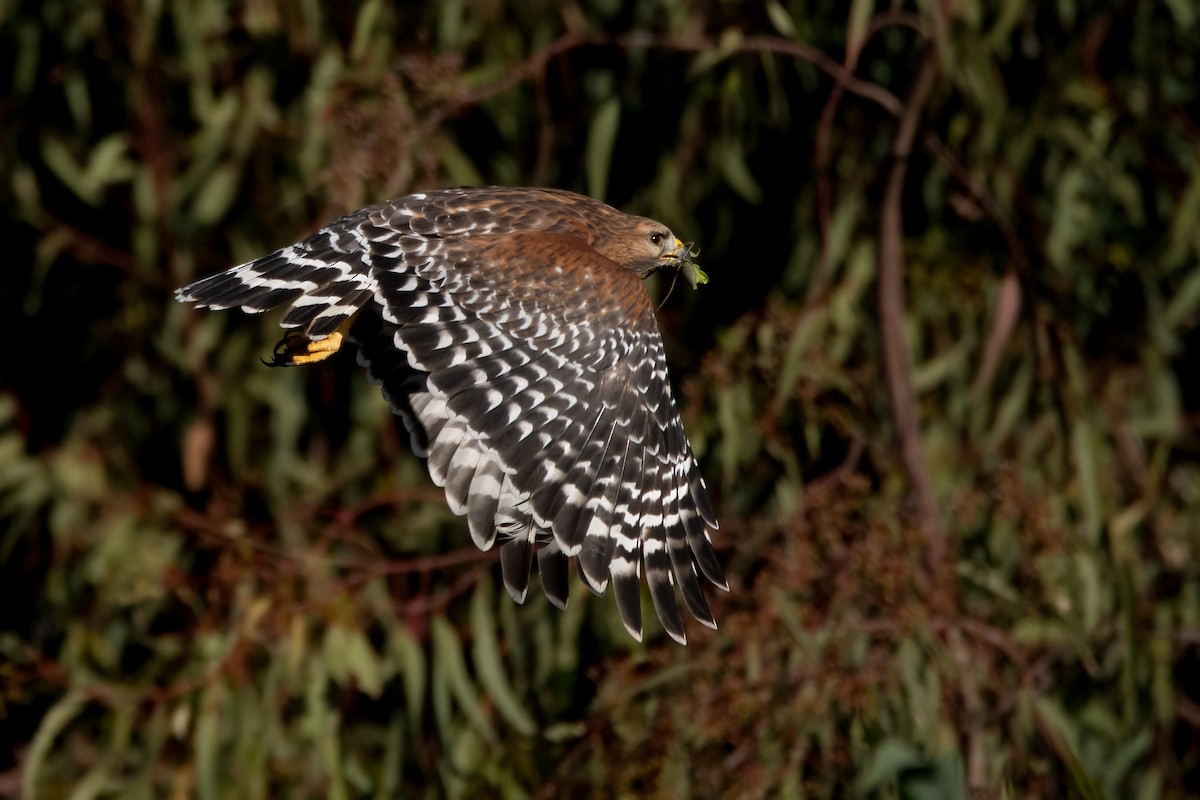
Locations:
(681, 259)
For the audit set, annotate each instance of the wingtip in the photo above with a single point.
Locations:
(680, 636)
(517, 594)
(595, 587)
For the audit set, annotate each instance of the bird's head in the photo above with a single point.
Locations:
(648, 246)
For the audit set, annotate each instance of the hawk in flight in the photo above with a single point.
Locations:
(511, 331)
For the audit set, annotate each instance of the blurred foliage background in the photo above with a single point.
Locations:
(945, 384)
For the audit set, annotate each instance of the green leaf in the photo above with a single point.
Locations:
(207, 738)
(1185, 13)
(728, 43)
(448, 656)
(780, 19)
(887, 763)
(363, 663)
(693, 275)
(602, 137)
(861, 12)
(61, 161)
(794, 363)
(412, 673)
(53, 723)
(365, 25)
(731, 158)
(216, 195)
(1087, 470)
(490, 666)
(1063, 736)
(943, 779)
(1184, 302)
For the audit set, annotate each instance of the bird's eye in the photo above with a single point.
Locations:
(656, 238)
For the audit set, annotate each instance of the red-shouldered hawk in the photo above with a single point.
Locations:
(511, 331)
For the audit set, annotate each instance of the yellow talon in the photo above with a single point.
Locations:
(297, 350)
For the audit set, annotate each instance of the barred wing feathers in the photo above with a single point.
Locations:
(530, 372)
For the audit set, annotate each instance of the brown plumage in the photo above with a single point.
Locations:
(511, 331)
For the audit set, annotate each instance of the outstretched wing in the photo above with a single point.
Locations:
(531, 373)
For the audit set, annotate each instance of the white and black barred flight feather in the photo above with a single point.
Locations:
(510, 329)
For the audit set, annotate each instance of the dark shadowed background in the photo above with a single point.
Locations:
(944, 384)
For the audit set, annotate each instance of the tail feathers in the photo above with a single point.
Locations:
(322, 288)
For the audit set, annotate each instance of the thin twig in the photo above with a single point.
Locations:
(536, 65)
(1016, 282)
(891, 318)
(822, 148)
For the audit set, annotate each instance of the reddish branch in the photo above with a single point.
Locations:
(535, 66)
(891, 317)
(822, 147)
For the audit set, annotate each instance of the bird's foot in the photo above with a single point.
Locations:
(297, 350)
